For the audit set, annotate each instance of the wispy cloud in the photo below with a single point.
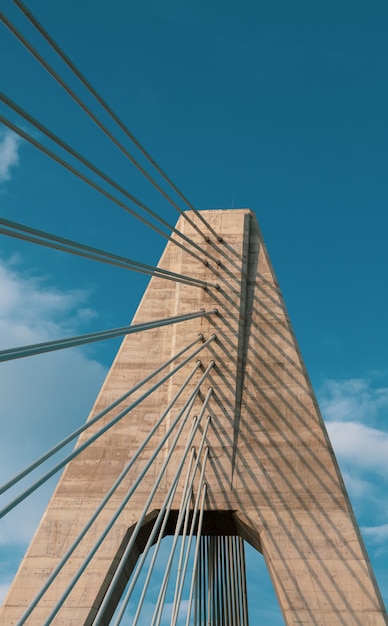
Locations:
(31, 310)
(43, 398)
(355, 411)
(9, 153)
(40, 395)
(360, 445)
(355, 399)
(377, 534)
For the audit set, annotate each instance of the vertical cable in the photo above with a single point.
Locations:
(219, 588)
(225, 615)
(197, 549)
(196, 595)
(244, 583)
(242, 580)
(236, 580)
(227, 577)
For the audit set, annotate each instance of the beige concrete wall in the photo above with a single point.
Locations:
(271, 463)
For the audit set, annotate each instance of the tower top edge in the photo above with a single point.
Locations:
(224, 210)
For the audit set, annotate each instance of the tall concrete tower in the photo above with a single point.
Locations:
(271, 474)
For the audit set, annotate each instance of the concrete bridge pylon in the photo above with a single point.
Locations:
(271, 474)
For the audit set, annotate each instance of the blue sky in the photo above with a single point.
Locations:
(280, 107)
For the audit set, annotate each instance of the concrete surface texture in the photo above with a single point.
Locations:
(272, 476)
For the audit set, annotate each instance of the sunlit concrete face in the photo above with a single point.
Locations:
(271, 475)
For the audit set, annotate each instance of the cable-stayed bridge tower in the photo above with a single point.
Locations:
(206, 427)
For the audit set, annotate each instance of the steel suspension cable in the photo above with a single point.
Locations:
(203, 580)
(214, 587)
(211, 580)
(223, 595)
(43, 238)
(158, 611)
(196, 554)
(230, 580)
(43, 129)
(242, 575)
(217, 607)
(220, 595)
(180, 583)
(185, 505)
(233, 579)
(238, 586)
(182, 548)
(183, 514)
(75, 97)
(19, 131)
(219, 582)
(139, 566)
(235, 576)
(112, 521)
(243, 583)
(159, 605)
(11, 505)
(186, 510)
(199, 581)
(116, 484)
(119, 122)
(185, 499)
(100, 614)
(99, 415)
(79, 340)
(181, 578)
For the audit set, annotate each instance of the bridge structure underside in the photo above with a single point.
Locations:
(249, 426)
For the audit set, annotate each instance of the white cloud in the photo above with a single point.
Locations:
(9, 157)
(358, 486)
(377, 534)
(355, 411)
(355, 399)
(351, 409)
(31, 311)
(364, 447)
(42, 398)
